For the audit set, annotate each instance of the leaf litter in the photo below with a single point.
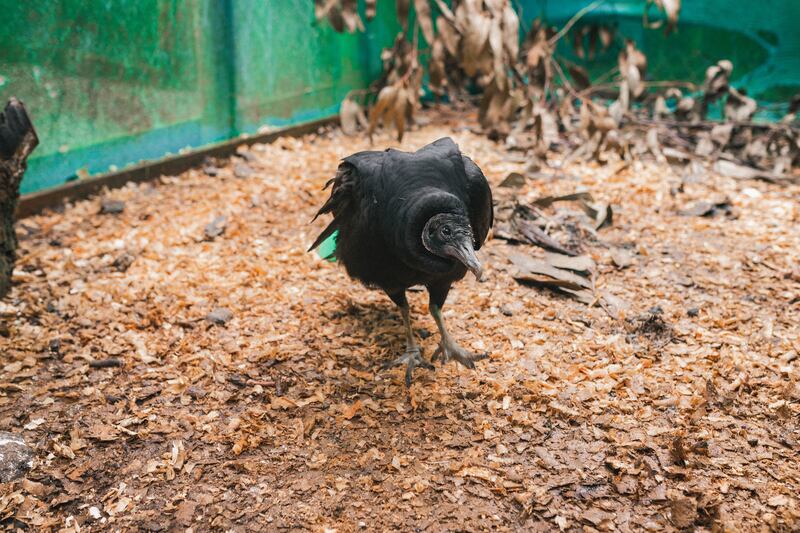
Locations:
(247, 392)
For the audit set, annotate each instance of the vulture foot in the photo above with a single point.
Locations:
(412, 358)
(450, 350)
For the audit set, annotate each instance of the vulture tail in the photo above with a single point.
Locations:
(338, 201)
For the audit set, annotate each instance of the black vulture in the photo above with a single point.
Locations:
(406, 219)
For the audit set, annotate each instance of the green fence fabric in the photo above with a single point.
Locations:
(113, 82)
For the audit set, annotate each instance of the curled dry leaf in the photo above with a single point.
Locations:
(716, 82)
(686, 110)
(632, 66)
(401, 107)
(496, 47)
(580, 76)
(323, 7)
(403, 7)
(384, 107)
(621, 258)
(670, 8)
(653, 144)
(527, 231)
(475, 27)
(370, 9)
(336, 19)
(582, 264)
(514, 180)
(542, 272)
(351, 116)
(423, 9)
(352, 20)
(510, 31)
(216, 227)
(537, 60)
(606, 35)
(450, 36)
(721, 134)
(437, 77)
(739, 107)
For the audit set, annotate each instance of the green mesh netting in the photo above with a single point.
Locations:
(762, 39)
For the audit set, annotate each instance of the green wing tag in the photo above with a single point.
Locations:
(328, 247)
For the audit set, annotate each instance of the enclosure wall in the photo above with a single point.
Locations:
(110, 83)
(113, 82)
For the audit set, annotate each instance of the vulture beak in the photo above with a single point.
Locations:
(465, 253)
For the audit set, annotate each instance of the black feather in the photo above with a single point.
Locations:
(380, 203)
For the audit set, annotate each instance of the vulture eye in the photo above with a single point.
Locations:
(445, 231)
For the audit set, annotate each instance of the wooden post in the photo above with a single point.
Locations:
(17, 141)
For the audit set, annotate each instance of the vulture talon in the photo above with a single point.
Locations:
(451, 351)
(412, 358)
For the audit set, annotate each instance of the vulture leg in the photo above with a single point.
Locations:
(412, 357)
(448, 348)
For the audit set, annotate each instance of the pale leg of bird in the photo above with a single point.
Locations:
(412, 357)
(448, 348)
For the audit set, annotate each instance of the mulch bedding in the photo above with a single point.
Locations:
(185, 363)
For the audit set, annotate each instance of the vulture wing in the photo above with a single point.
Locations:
(481, 213)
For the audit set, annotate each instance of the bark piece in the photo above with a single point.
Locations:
(17, 141)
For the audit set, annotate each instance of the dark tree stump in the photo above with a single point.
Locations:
(17, 141)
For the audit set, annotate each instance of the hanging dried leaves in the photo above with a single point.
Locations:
(399, 98)
(343, 14)
(538, 103)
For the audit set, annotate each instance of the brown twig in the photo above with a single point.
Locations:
(566, 82)
(591, 7)
(711, 123)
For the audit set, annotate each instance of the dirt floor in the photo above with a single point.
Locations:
(676, 408)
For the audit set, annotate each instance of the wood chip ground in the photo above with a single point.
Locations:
(168, 376)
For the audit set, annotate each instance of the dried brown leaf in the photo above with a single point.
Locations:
(423, 9)
(632, 65)
(475, 26)
(577, 263)
(352, 20)
(437, 77)
(580, 76)
(496, 47)
(621, 258)
(384, 105)
(370, 9)
(351, 116)
(511, 32)
(739, 107)
(336, 18)
(449, 35)
(403, 7)
(514, 180)
(401, 107)
(540, 272)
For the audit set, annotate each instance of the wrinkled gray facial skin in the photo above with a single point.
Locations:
(449, 235)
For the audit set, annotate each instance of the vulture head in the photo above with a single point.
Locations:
(449, 236)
